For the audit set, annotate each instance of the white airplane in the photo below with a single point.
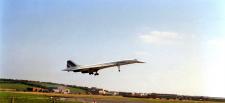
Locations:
(93, 69)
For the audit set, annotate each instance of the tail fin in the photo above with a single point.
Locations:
(70, 64)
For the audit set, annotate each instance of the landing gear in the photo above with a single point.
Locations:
(91, 73)
(96, 73)
(118, 68)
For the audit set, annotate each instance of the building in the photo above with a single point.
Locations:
(93, 90)
(125, 94)
(60, 89)
(113, 93)
(35, 89)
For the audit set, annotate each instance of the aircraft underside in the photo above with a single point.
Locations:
(91, 72)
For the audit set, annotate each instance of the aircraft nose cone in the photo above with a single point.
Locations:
(140, 62)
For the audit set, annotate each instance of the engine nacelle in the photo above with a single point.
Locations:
(84, 72)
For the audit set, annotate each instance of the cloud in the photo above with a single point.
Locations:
(157, 37)
(217, 42)
(213, 64)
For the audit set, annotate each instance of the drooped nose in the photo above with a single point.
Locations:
(140, 62)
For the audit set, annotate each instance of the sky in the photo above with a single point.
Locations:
(182, 43)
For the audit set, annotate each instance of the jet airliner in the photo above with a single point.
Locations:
(93, 69)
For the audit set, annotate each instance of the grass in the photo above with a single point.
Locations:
(22, 87)
(7, 97)
(76, 90)
(36, 97)
(47, 84)
(17, 86)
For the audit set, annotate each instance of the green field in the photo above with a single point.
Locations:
(30, 97)
(21, 86)
(14, 91)
(76, 90)
(16, 86)
(12, 97)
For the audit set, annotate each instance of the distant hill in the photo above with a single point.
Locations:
(22, 85)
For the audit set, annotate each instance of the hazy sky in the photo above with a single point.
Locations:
(181, 41)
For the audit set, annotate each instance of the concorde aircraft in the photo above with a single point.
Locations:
(93, 69)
